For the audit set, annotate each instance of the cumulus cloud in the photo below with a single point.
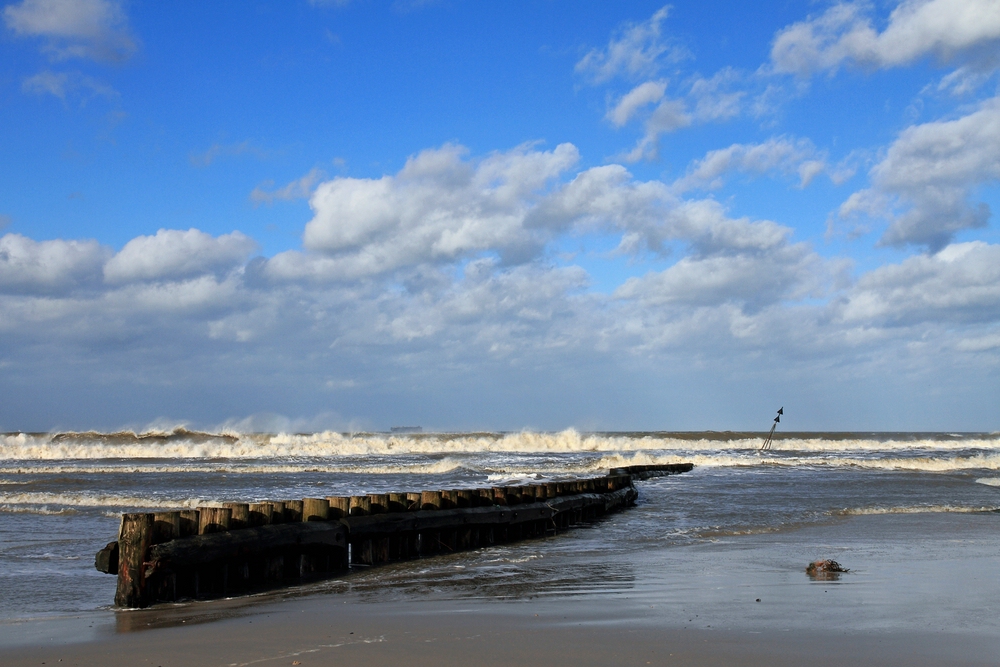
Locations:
(438, 208)
(402, 281)
(44, 267)
(845, 33)
(925, 182)
(649, 216)
(777, 155)
(95, 29)
(959, 284)
(174, 254)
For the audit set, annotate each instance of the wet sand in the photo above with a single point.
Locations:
(923, 591)
(321, 632)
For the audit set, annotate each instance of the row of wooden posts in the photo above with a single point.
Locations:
(238, 548)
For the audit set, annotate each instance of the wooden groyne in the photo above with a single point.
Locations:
(239, 548)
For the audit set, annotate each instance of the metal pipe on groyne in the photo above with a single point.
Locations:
(240, 548)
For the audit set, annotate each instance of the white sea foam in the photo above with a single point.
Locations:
(63, 500)
(914, 509)
(989, 481)
(917, 463)
(237, 468)
(35, 509)
(181, 444)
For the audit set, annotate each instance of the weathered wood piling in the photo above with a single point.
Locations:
(242, 547)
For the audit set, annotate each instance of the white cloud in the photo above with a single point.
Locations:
(715, 99)
(961, 283)
(634, 51)
(96, 29)
(756, 279)
(649, 216)
(642, 95)
(400, 290)
(915, 29)
(174, 254)
(40, 267)
(929, 173)
(438, 208)
(64, 84)
(300, 188)
(779, 154)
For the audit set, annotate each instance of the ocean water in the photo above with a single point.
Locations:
(61, 495)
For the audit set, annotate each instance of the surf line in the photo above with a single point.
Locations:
(242, 548)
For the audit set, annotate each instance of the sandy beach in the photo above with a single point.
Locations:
(921, 591)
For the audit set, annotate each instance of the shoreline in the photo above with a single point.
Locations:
(921, 592)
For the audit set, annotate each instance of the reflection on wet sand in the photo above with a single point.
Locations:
(510, 573)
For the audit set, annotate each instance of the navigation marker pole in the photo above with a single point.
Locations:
(767, 443)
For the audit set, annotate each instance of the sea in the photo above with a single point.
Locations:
(62, 495)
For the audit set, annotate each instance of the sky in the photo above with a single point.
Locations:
(355, 214)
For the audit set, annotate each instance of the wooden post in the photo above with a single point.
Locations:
(360, 506)
(166, 526)
(293, 511)
(134, 539)
(339, 506)
(189, 522)
(213, 519)
(315, 509)
(277, 511)
(240, 515)
(259, 514)
(412, 502)
(465, 498)
(499, 495)
(430, 500)
(379, 503)
(486, 497)
(449, 499)
(397, 502)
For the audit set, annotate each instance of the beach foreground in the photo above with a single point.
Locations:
(922, 592)
(426, 633)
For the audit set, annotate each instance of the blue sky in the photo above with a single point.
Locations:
(357, 214)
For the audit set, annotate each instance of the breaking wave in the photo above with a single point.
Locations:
(185, 444)
(42, 503)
